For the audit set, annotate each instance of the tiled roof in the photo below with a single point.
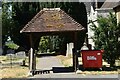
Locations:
(108, 4)
(52, 20)
(117, 5)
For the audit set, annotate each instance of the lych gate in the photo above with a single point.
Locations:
(53, 21)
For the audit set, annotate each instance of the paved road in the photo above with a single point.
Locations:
(73, 75)
(50, 62)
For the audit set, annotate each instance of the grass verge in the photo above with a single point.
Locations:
(14, 72)
(17, 71)
(67, 62)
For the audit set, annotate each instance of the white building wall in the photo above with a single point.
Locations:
(91, 17)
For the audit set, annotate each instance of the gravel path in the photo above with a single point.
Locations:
(47, 62)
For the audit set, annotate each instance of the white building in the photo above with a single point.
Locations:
(92, 15)
(95, 9)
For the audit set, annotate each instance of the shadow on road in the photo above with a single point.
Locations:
(115, 68)
(62, 69)
(54, 70)
(45, 55)
(104, 68)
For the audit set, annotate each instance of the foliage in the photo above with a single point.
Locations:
(51, 43)
(43, 45)
(12, 45)
(106, 37)
(5, 22)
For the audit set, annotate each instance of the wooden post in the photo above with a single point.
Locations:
(34, 61)
(29, 59)
(36, 42)
(31, 67)
(74, 60)
(75, 54)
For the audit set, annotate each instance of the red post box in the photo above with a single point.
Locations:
(92, 58)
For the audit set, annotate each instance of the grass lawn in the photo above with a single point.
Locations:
(14, 72)
(17, 71)
(2, 58)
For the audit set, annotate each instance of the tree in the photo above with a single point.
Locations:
(80, 15)
(7, 23)
(106, 37)
(22, 13)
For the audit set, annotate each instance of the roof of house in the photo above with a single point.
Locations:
(117, 5)
(109, 5)
(52, 20)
